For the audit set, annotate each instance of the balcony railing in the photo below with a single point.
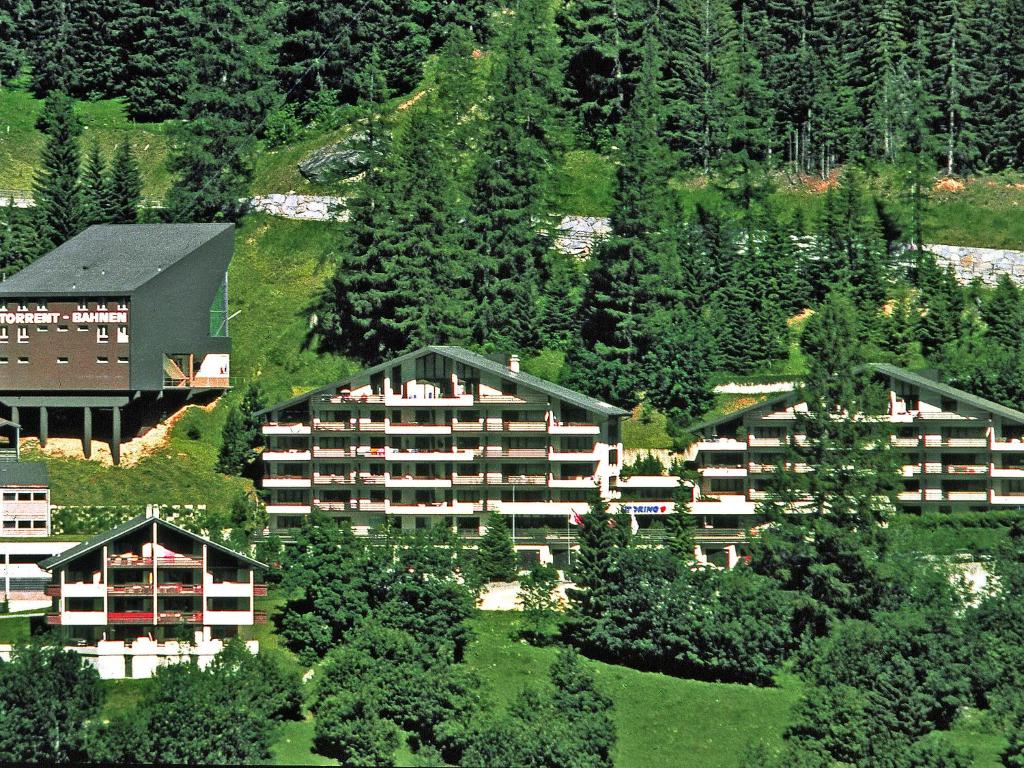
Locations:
(259, 590)
(179, 617)
(129, 561)
(53, 619)
(52, 590)
(179, 589)
(130, 617)
(129, 589)
(259, 617)
(180, 561)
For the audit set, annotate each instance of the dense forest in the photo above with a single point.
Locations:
(449, 235)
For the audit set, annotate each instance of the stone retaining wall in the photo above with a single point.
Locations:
(304, 207)
(986, 264)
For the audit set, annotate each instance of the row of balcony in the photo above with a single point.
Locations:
(148, 617)
(429, 481)
(438, 400)
(423, 454)
(908, 470)
(930, 494)
(131, 560)
(54, 590)
(388, 428)
(914, 441)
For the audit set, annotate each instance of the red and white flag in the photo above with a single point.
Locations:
(575, 518)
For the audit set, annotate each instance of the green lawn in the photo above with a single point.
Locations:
(662, 721)
(103, 121)
(14, 629)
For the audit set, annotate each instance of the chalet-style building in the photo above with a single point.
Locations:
(958, 451)
(149, 592)
(445, 436)
(114, 319)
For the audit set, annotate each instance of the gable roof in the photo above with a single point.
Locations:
(127, 527)
(475, 360)
(902, 374)
(917, 379)
(110, 259)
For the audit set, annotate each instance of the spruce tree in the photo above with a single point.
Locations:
(51, 55)
(95, 188)
(57, 190)
(154, 36)
(13, 21)
(20, 242)
(634, 273)
(98, 52)
(234, 447)
(124, 186)
(231, 88)
(515, 158)
(496, 558)
(1003, 313)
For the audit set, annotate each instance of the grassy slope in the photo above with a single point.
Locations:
(103, 121)
(278, 266)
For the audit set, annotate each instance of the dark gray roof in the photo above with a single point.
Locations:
(109, 259)
(903, 374)
(8, 423)
(23, 473)
(768, 402)
(477, 361)
(127, 527)
(944, 389)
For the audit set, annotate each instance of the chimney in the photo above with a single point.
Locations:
(513, 363)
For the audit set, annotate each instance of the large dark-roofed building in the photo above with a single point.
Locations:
(116, 318)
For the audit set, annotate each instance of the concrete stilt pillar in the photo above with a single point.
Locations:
(44, 425)
(87, 432)
(115, 437)
(15, 414)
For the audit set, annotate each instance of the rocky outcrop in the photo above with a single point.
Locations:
(306, 207)
(343, 160)
(577, 235)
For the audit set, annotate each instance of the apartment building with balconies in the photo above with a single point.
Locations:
(149, 592)
(445, 436)
(957, 451)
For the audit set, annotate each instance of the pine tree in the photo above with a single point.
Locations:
(51, 55)
(154, 35)
(1003, 313)
(560, 300)
(942, 303)
(98, 52)
(124, 186)
(13, 21)
(852, 470)
(57, 191)
(516, 155)
(95, 188)
(230, 91)
(634, 273)
(20, 242)
(956, 52)
(234, 447)
(496, 558)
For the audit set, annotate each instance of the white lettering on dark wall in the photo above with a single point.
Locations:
(39, 318)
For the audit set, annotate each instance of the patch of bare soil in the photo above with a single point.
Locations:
(132, 451)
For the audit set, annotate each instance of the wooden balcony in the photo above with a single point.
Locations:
(179, 589)
(129, 561)
(180, 617)
(259, 590)
(130, 617)
(259, 617)
(52, 590)
(180, 561)
(129, 589)
(53, 619)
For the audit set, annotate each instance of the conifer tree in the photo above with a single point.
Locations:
(51, 55)
(124, 186)
(515, 158)
(496, 558)
(230, 90)
(634, 273)
(98, 52)
(154, 36)
(1003, 313)
(234, 447)
(852, 469)
(57, 190)
(13, 21)
(560, 300)
(95, 188)
(20, 242)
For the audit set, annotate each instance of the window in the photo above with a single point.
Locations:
(102, 304)
(83, 328)
(41, 306)
(62, 361)
(23, 335)
(102, 360)
(122, 360)
(41, 329)
(122, 334)
(62, 329)
(102, 334)
(82, 306)
(22, 361)
(4, 334)
(22, 306)
(3, 361)
(122, 305)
